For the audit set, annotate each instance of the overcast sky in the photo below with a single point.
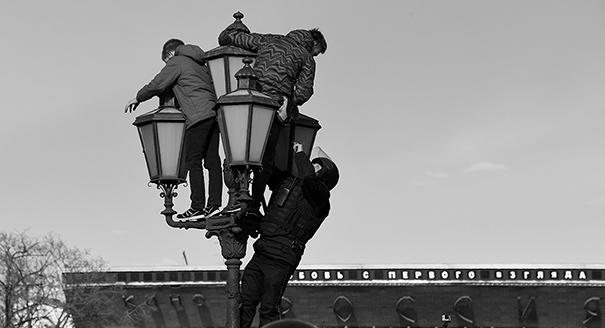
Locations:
(465, 131)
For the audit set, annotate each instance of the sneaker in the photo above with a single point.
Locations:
(191, 214)
(211, 210)
(232, 209)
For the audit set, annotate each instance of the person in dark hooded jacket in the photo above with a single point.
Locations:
(285, 66)
(189, 79)
(298, 206)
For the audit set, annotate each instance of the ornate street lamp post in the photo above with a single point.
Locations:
(245, 117)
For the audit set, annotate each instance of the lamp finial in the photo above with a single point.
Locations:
(246, 77)
(238, 25)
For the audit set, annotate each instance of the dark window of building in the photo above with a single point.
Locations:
(199, 299)
(122, 276)
(351, 274)
(198, 276)
(133, 276)
(343, 308)
(378, 274)
(160, 276)
(174, 276)
(147, 276)
(597, 274)
(223, 276)
(484, 274)
(186, 276)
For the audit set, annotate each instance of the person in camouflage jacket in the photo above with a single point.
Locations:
(285, 66)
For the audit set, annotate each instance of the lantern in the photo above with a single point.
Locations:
(225, 61)
(303, 130)
(245, 117)
(162, 132)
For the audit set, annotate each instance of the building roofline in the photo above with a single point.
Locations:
(418, 266)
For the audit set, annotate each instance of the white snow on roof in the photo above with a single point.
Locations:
(375, 266)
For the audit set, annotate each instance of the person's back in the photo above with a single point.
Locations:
(284, 64)
(286, 69)
(189, 79)
(188, 76)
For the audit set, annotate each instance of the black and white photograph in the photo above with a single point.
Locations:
(303, 164)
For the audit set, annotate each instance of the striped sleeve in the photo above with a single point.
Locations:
(303, 90)
(248, 41)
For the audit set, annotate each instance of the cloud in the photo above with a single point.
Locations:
(485, 167)
(430, 177)
(436, 175)
(419, 183)
(119, 232)
(596, 201)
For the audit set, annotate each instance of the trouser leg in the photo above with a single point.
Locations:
(252, 284)
(212, 163)
(277, 273)
(196, 139)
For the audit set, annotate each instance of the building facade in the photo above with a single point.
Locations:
(379, 296)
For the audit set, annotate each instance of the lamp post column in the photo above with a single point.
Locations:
(233, 249)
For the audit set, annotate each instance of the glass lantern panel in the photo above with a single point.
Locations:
(283, 148)
(236, 125)
(306, 136)
(217, 70)
(235, 64)
(222, 128)
(170, 138)
(149, 150)
(261, 123)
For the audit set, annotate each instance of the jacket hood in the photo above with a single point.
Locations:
(192, 51)
(303, 37)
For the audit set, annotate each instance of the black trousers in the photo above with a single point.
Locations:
(264, 282)
(201, 151)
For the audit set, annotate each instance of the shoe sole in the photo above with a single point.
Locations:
(233, 210)
(192, 218)
(213, 213)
